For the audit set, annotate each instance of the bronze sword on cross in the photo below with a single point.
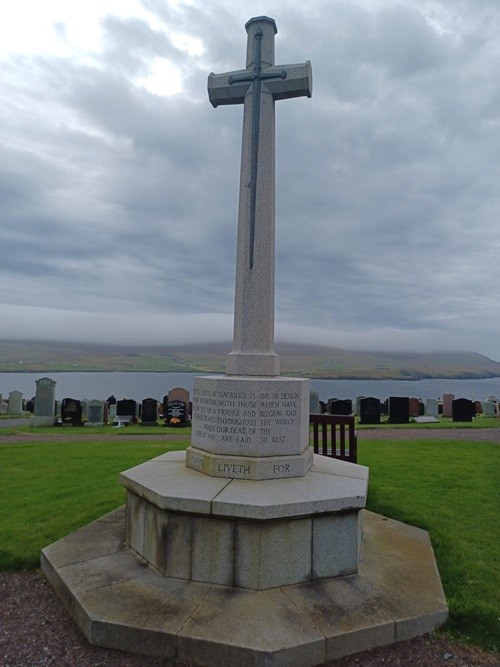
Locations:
(257, 87)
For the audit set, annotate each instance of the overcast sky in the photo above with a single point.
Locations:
(119, 181)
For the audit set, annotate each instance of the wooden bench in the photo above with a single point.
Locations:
(334, 436)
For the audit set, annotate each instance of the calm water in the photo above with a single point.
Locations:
(156, 385)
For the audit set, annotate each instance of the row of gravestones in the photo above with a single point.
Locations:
(175, 408)
(399, 409)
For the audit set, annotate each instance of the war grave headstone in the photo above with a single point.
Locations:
(431, 408)
(248, 509)
(45, 403)
(149, 412)
(15, 403)
(447, 404)
(462, 410)
(314, 404)
(71, 412)
(341, 407)
(399, 410)
(369, 410)
(97, 413)
(489, 409)
(111, 401)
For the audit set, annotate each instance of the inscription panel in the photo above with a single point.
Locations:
(249, 467)
(252, 417)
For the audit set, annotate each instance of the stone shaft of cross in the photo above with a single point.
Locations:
(257, 87)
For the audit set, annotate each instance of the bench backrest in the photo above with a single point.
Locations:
(335, 436)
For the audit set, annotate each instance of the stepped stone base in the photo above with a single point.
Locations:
(119, 601)
(254, 534)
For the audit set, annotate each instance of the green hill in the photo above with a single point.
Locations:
(296, 359)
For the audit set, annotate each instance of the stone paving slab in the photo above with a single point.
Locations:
(120, 602)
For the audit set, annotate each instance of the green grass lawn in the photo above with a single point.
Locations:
(50, 488)
(449, 488)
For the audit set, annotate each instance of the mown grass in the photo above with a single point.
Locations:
(443, 422)
(109, 429)
(49, 489)
(449, 488)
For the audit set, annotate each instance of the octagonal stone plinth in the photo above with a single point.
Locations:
(249, 534)
(120, 603)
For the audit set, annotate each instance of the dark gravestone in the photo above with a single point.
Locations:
(149, 412)
(71, 412)
(329, 403)
(30, 406)
(369, 410)
(478, 407)
(323, 407)
(176, 413)
(111, 400)
(421, 408)
(399, 409)
(462, 410)
(338, 407)
(126, 410)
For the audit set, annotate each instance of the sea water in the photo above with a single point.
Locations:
(140, 385)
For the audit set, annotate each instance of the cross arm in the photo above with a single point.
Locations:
(297, 83)
(220, 91)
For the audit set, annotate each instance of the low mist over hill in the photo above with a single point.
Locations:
(305, 360)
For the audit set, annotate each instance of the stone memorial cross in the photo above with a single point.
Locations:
(257, 87)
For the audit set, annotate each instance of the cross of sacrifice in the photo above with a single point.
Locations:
(257, 87)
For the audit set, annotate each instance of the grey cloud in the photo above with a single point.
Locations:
(117, 200)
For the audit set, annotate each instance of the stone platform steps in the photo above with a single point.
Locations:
(119, 601)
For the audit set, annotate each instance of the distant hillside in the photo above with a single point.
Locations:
(305, 360)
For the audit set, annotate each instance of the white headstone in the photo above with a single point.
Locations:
(489, 409)
(45, 402)
(314, 406)
(431, 407)
(15, 403)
